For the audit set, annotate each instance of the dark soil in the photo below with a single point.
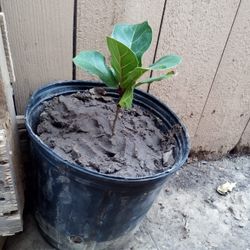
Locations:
(78, 127)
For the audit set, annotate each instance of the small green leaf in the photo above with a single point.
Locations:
(157, 78)
(137, 37)
(166, 62)
(94, 63)
(127, 98)
(133, 76)
(123, 60)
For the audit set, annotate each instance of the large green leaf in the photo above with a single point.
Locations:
(157, 78)
(137, 37)
(123, 60)
(127, 98)
(133, 76)
(94, 63)
(166, 62)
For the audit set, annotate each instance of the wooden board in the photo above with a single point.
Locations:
(40, 34)
(11, 190)
(95, 21)
(228, 107)
(197, 31)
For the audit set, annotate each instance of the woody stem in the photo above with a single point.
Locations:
(115, 120)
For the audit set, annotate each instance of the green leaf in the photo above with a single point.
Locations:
(94, 63)
(137, 37)
(127, 98)
(157, 78)
(133, 76)
(123, 60)
(166, 62)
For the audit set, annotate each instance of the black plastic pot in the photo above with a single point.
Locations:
(80, 209)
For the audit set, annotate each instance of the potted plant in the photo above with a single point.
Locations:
(102, 153)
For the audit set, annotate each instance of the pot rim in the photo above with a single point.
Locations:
(30, 106)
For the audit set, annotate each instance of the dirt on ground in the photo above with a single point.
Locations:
(189, 213)
(78, 127)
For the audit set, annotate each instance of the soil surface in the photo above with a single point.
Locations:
(188, 215)
(78, 127)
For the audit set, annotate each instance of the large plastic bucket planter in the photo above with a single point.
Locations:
(80, 209)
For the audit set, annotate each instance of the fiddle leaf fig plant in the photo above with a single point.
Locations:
(127, 44)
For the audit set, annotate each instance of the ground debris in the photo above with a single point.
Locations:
(161, 205)
(226, 188)
(186, 226)
(194, 216)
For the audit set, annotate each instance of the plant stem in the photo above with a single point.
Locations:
(115, 120)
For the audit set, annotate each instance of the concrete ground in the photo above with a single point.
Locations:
(189, 213)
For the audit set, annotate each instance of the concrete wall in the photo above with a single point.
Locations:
(211, 93)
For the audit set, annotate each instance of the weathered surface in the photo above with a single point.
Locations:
(40, 34)
(189, 213)
(196, 30)
(102, 15)
(227, 109)
(42, 44)
(11, 191)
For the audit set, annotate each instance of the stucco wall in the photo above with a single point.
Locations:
(211, 93)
